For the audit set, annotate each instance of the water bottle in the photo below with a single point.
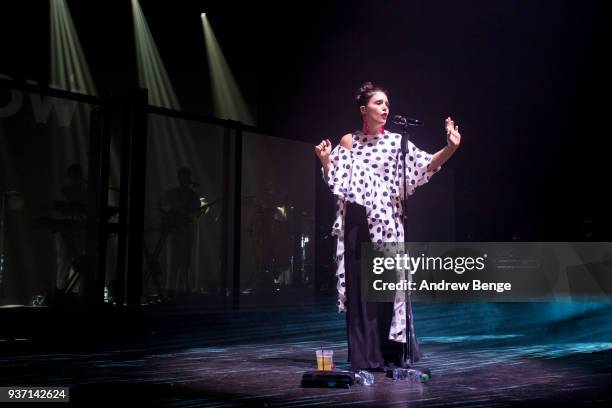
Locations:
(411, 375)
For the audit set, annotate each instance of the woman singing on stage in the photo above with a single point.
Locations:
(364, 173)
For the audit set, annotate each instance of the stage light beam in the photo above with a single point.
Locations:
(227, 98)
(151, 70)
(69, 68)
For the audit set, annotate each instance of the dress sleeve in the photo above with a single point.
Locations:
(339, 177)
(418, 171)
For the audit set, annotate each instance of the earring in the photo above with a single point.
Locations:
(365, 124)
(382, 130)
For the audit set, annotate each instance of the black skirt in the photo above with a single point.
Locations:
(368, 323)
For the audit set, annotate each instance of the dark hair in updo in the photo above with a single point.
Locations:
(366, 91)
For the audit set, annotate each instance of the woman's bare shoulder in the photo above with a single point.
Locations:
(347, 141)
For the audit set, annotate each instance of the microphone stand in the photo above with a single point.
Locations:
(407, 349)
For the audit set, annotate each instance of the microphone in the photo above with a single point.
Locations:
(404, 121)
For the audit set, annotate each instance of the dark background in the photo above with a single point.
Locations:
(528, 83)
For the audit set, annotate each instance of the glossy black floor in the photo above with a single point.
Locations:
(192, 353)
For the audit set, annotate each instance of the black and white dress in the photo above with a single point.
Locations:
(365, 181)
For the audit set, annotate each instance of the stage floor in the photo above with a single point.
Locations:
(256, 357)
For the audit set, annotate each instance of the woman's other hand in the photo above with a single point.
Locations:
(323, 150)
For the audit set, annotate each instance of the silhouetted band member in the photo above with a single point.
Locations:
(180, 207)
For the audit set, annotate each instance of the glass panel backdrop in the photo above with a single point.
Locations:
(44, 144)
(183, 207)
(277, 214)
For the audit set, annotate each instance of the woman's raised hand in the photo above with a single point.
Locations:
(453, 137)
(323, 149)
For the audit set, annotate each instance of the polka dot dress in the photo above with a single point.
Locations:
(370, 174)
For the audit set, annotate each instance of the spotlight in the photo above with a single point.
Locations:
(203, 15)
(227, 97)
(152, 72)
(69, 68)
